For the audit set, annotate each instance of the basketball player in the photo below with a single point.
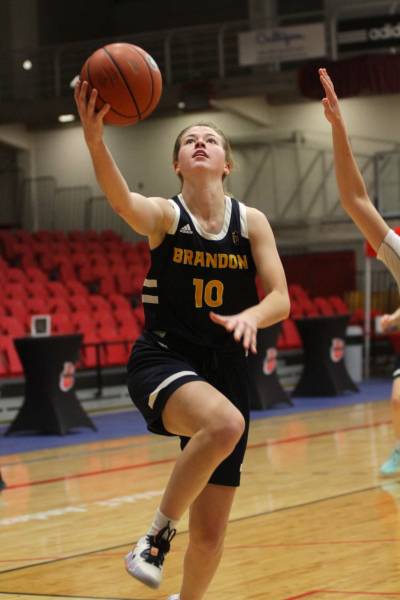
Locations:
(356, 202)
(187, 373)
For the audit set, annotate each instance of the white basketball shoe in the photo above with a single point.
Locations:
(145, 561)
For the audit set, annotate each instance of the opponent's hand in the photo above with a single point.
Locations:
(386, 323)
(92, 120)
(243, 326)
(330, 102)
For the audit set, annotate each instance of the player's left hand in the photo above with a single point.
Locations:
(243, 326)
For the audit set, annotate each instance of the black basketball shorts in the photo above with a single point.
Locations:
(160, 365)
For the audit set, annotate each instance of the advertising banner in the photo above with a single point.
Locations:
(295, 43)
(368, 33)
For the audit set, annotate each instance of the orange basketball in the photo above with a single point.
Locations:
(127, 78)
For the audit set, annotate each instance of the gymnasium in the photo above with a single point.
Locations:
(315, 516)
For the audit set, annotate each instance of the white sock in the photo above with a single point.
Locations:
(160, 521)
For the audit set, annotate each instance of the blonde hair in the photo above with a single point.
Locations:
(225, 143)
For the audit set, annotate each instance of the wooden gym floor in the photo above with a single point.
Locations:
(312, 518)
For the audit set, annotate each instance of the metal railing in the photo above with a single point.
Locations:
(197, 53)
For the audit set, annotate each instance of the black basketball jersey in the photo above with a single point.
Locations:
(193, 272)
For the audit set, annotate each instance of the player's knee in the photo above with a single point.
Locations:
(227, 431)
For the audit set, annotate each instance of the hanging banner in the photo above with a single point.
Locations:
(368, 33)
(283, 44)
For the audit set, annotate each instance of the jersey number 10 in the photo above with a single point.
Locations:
(210, 293)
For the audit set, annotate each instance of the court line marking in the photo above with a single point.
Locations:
(266, 444)
(237, 520)
(80, 597)
(343, 592)
(306, 416)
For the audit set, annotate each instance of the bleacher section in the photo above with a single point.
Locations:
(88, 282)
(91, 283)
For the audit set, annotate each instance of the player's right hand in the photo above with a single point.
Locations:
(92, 120)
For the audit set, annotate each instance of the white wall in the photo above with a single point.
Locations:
(370, 117)
(16, 135)
(143, 152)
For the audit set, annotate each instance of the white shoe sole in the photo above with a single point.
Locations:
(137, 573)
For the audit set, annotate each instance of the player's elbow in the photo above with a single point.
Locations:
(285, 306)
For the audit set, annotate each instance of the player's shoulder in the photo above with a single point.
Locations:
(256, 218)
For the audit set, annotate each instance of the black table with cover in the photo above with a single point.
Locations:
(324, 372)
(265, 387)
(50, 404)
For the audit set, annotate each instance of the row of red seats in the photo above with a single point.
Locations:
(303, 306)
(110, 264)
(123, 280)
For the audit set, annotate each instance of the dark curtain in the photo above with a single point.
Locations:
(322, 273)
(367, 74)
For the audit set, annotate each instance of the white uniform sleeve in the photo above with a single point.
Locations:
(389, 254)
(174, 225)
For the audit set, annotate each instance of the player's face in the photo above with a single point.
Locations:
(201, 149)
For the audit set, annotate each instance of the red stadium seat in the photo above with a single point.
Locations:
(76, 288)
(15, 275)
(339, 305)
(113, 353)
(16, 308)
(36, 306)
(15, 291)
(97, 302)
(118, 301)
(89, 354)
(107, 285)
(108, 235)
(58, 305)
(292, 336)
(37, 290)
(323, 306)
(12, 327)
(9, 359)
(79, 303)
(62, 324)
(83, 321)
(57, 289)
(103, 318)
(36, 275)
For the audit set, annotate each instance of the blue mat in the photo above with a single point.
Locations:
(128, 423)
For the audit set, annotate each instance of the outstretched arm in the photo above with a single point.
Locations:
(148, 216)
(353, 193)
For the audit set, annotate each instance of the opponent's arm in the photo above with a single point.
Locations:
(353, 192)
(148, 216)
(275, 306)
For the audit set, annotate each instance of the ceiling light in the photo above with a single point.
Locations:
(27, 65)
(74, 81)
(66, 118)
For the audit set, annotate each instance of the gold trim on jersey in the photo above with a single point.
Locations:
(209, 260)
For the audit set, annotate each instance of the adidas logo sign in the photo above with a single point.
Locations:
(186, 229)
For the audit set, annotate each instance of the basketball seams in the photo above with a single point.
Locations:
(143, 56)
(124, 78)
(116, 112)
(110, 56)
